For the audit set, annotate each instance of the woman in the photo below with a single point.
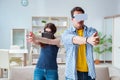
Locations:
(46, 68)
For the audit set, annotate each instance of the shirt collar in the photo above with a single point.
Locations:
(74, 29)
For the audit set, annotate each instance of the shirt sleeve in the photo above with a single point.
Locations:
(67, 38)
(91, 31)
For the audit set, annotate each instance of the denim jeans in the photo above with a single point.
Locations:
(82, 76)
(43, 74)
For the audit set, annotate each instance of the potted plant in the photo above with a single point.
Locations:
(43, 22)
(103, 47)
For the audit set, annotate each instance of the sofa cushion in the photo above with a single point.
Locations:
(26, 73)
(22, 73)
(102, 73)
(115, 78)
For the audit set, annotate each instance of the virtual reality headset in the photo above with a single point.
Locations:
(48, 35)
(80, 17)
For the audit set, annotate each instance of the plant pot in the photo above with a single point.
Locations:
(97, 61)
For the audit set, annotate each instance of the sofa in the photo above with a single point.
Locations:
(102, 73)
(107, 73)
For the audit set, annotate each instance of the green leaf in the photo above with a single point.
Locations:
(105, 44)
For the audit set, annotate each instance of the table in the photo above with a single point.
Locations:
(23, 52)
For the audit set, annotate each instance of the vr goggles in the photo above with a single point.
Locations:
(48, 35)
(80, 17)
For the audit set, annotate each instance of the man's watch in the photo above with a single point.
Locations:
(86, 39)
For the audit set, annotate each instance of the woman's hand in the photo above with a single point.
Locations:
(31, 37)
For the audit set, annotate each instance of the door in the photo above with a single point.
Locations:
(116, 42)
(108, 31)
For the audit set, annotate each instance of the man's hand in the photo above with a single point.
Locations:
(94, 39)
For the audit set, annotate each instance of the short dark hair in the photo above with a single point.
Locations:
(76, 9)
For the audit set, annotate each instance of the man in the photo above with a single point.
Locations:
(78, 41)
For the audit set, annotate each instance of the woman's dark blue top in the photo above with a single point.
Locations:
(47, 58)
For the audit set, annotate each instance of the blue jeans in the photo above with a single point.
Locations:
(43, 74)
(82, 76)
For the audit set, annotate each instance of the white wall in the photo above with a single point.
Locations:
(118, 6)
(12, 14)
